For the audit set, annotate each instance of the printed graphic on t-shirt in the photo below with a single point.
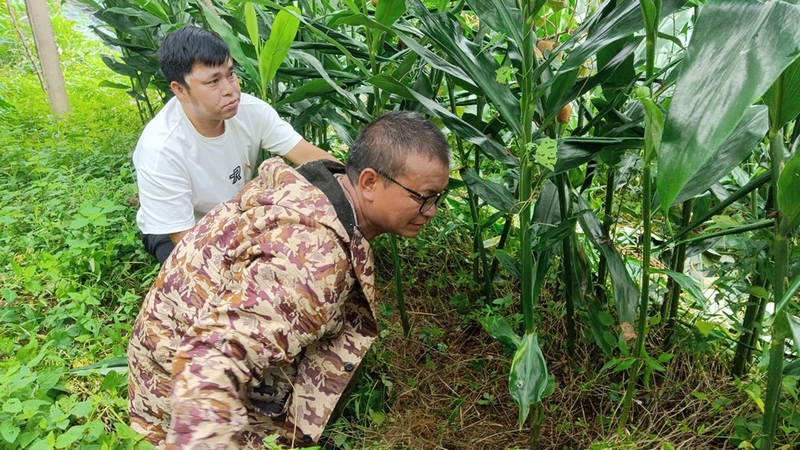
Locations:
(236, 175)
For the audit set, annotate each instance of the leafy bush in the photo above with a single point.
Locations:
(71, 266)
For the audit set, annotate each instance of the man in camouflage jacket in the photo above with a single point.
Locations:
(260, 316)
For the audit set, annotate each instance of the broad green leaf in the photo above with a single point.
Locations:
(783, 98)
(9, 431)
(705, 327)
(738, 50)
(554, 235)
(626, 294)
(621, 77)
(361, 19)
(598, 322)
(284, 29)
(69, 437)
(445, 30)
(12, 406)
(578, 267)
(230, 38)
(46, 443)
(689, 285)
(388, 11)
(528, 378)
(82, 409)
(510, 264)
(118, 67)
(653, 123)
(155, 8)
(792, 369)
(622, 20)
(437, 62)
(788, 190)
(312, 88)
(546, 214)
(545, 153)
(492, 193)
(109, 84)
(566, 87)
(759, 292)
(312, 61)
(574, 152)
(502, 16)
(739, 145)
(125, 432)
(48, 378)
(498, 328)
(251, 22)
(454, 123)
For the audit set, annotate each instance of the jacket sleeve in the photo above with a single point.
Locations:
(276, 304)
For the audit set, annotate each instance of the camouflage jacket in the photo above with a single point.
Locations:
(255, 323)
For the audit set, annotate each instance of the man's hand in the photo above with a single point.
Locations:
(304, 152)
(175, 237)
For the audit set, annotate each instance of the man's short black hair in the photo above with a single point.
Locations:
(386, 142)
(186, 46)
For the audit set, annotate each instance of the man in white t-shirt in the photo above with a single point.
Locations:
(201, 148)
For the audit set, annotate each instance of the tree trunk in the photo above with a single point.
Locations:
(46, 47)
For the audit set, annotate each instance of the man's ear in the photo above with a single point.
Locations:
(179, 90)
(368, 180)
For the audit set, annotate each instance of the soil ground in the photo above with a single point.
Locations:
(446, 387)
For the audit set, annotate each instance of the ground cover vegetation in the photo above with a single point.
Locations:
(617, 266)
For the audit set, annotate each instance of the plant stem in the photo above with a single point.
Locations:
(398, 284)
(750, 326)
(525, 165)
(669, 310)
(472, 200)
(501, 245)
(602, 265)
(567, 263)
(781, 263)
(645, 299)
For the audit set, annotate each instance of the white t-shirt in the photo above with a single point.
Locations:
(182, 175)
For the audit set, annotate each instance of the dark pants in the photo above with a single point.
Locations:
(158, 245)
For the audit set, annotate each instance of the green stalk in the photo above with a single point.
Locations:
(750, 322)
(567, 262)
(500, 246)
(651, 11)
(537, 416)
(781, 263)
(602, 265)
(472, 200)
(398, 285)
(669, 310)
(530, 9)
(633, 376)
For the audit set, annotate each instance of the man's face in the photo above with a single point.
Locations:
(395, 209)
(213, 92)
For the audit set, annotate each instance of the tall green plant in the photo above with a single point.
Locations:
(762, 44)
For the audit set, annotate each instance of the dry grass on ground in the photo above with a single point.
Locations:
(455, 396)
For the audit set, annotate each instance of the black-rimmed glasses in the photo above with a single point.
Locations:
(427, 200)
